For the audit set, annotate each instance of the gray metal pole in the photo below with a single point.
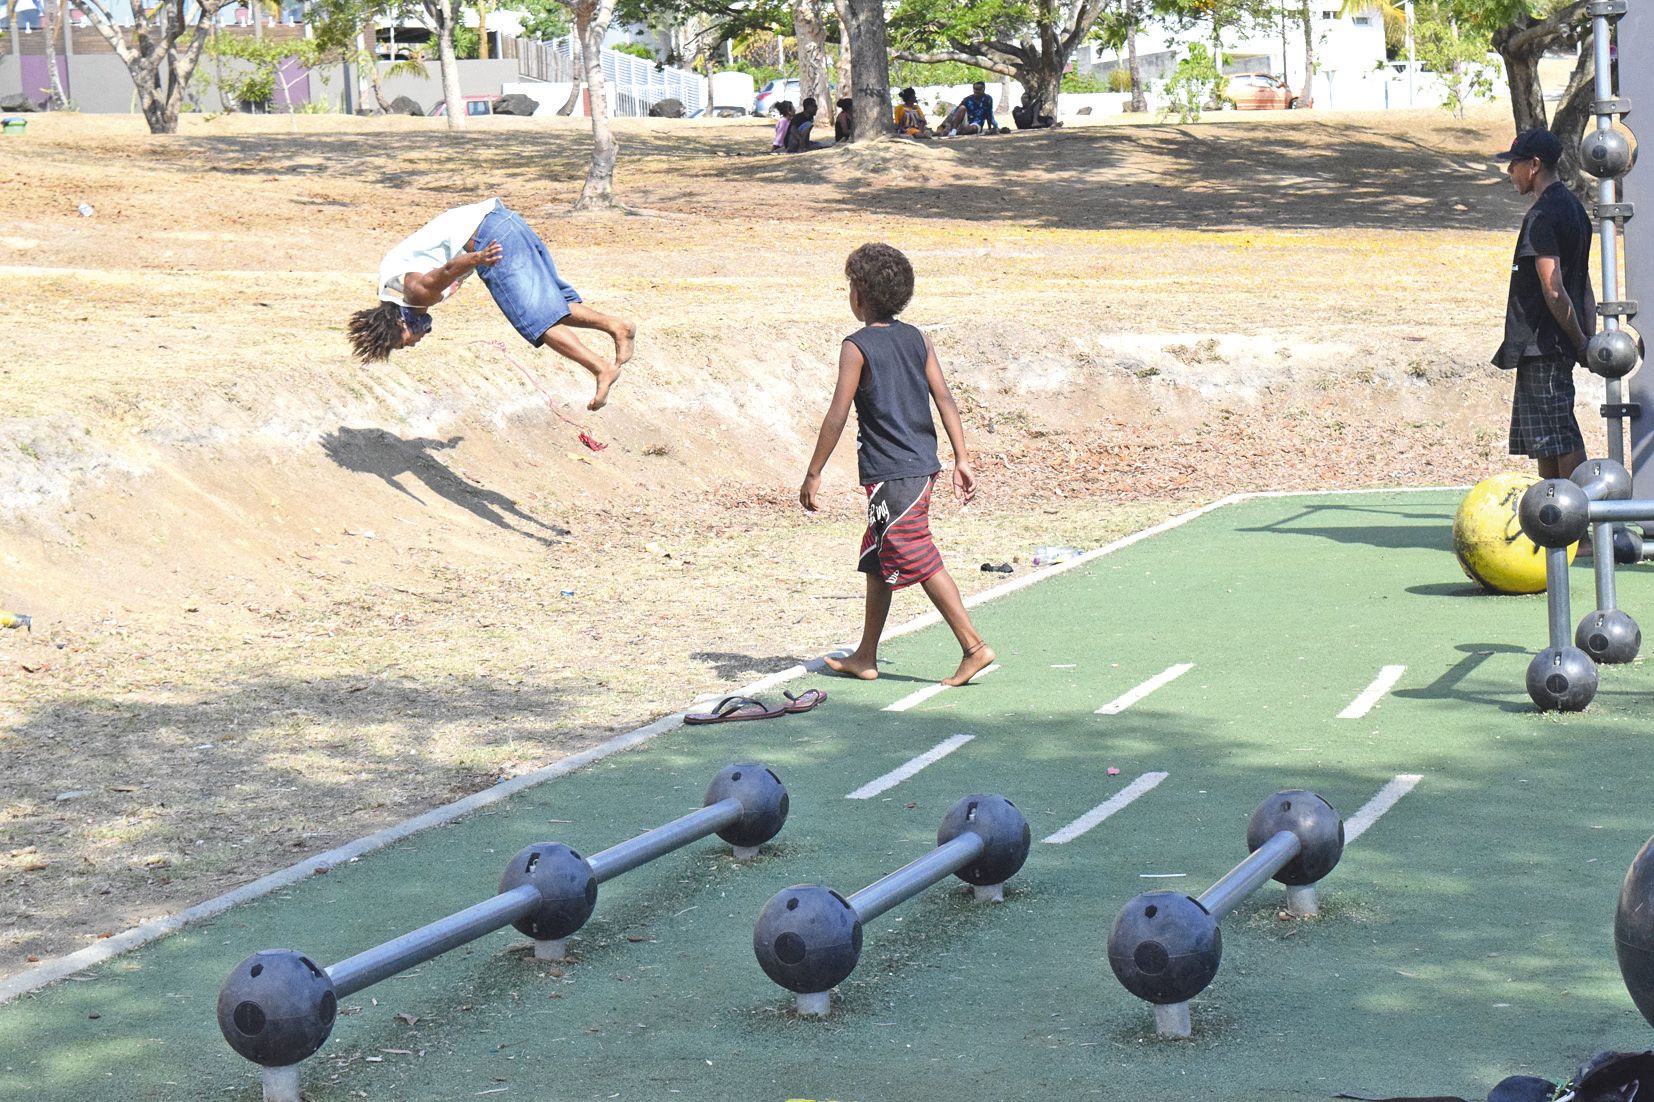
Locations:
(1602, 541)
(281, 1084)
(651, 844)
(1634, 32)
(1608, 234)
(915, 876)
(1251, 874)
(1630, 509)
(1557, 616)
(383, 961)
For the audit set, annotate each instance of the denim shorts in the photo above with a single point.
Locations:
(525, 283)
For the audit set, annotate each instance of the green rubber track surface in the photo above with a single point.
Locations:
(1465, 936)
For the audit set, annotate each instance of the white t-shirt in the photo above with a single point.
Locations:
(430, 247)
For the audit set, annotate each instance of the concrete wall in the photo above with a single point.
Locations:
(100, 84)
(476, 78)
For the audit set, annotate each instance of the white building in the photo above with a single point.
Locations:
(1349, 54)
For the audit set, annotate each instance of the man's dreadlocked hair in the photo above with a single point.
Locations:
(375, 333)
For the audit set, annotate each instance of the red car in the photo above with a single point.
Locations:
(1260, 92)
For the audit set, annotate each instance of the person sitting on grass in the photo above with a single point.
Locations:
(804, 120)
(428, 266)
(889, 370)
(1027, 117)
(910, 120)
(979, 111)
(783, 123)
(844, 123)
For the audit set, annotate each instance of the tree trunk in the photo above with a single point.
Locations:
(482, 30)
(574, 96)
(1522, 44)
(591, 20)
(1042, 80)
(50, 21)
(842, 8)
(442, 14)
(371, 33)
(811, 37)
(161, 52)
(1573, 114)
(1306, 98)
(870, 71)
(1527, 98)
(1139, 102)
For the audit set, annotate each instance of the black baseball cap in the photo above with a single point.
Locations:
(1537, 142)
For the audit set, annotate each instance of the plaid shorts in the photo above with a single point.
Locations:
(1542, 422)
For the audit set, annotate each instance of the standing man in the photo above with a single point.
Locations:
(1551, 311)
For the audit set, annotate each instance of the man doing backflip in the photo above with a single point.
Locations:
(429, 265)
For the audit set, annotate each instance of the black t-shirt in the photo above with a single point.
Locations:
(895, 437)
(1556, 225)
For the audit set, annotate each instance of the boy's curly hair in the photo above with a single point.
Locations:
(376, 332)
(882, 277)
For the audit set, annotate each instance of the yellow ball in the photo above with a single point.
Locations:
(1488, 537)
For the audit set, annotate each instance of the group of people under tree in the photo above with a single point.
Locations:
(974, 115)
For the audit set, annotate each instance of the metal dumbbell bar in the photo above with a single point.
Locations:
(808, 937)
(1165, 947)
(278, 1007)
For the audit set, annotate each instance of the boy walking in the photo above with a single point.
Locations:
(888, 369)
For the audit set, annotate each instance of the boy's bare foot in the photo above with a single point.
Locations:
(854, 666)
(606, 376)
(624, 343)
(976, 660)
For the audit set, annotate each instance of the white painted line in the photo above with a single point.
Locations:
(1103, 810)
(1161, 875)
(897, 776)
(1121, 703)
(1372, 694)
(1388, 796)
(924, 694)
(51, 971)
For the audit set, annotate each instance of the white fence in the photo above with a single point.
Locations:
(635, 84)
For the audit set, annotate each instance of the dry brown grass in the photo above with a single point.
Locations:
(282, 600)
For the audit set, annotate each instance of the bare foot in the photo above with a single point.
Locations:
(606, 377)
(854, 666)
(971, 665)
(623, 343)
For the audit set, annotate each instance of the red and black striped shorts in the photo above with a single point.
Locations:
(897, 546)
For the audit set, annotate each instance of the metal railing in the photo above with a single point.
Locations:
(638, 83)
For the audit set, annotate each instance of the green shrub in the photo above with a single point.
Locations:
(1083, 82)
(1119, 80)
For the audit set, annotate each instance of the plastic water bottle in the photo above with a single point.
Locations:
(85, 210)
(1045, 556)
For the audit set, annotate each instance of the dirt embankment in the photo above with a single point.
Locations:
(282, 599)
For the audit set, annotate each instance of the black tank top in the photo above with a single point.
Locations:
(896, 437)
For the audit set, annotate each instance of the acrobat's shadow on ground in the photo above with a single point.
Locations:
(389, 457)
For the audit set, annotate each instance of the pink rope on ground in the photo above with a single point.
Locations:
(586, 437)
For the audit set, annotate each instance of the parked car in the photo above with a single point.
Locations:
(474, 106)
(769, 97)
(1260, 92)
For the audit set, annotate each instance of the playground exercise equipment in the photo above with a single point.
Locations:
(278, 1007)
(1607, 154)
(1634, 930)
(1165, 947)
(808, 937)
(1555, 514)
